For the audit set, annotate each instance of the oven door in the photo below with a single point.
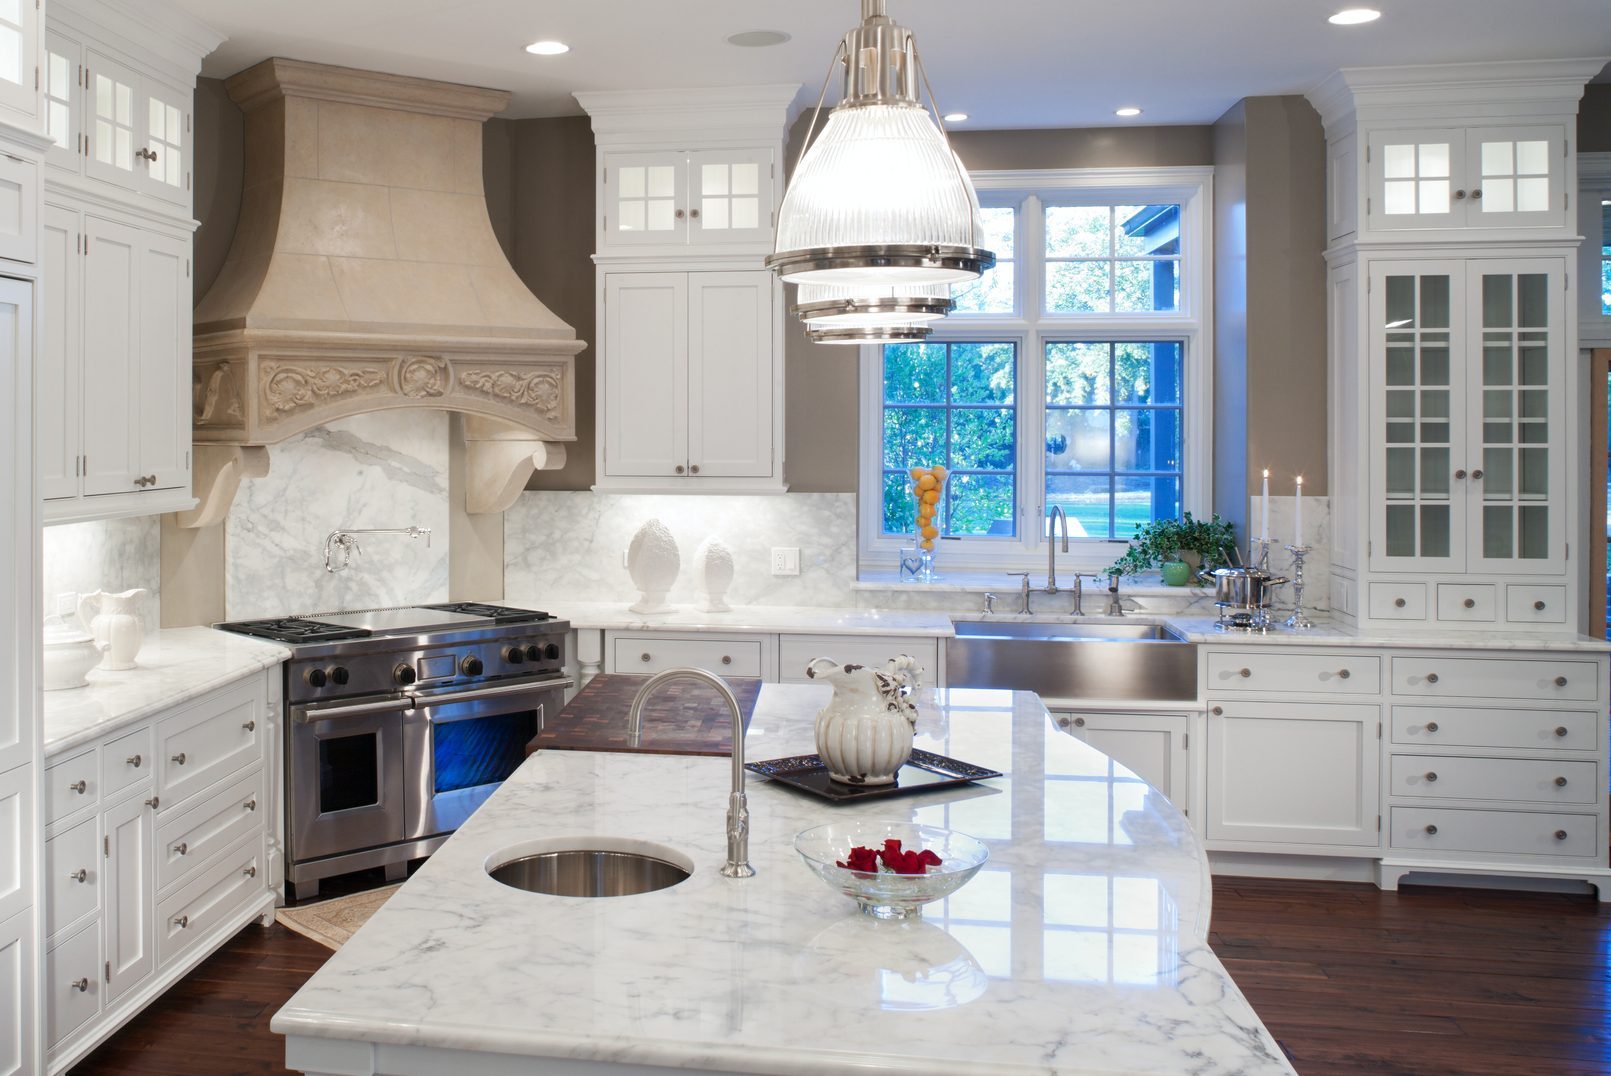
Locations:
(462, 743)
(345, 787)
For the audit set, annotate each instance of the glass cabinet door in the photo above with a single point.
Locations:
(1417, 419)
(645, 199)
(1517, 414)
(1416, 179)
(1516, 177)
(63, 86)
(19, 64)
(731, 195)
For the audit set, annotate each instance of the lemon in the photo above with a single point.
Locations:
(930, 531)
(931, 496)
(916, 473)
(938, 472)
(926, 482)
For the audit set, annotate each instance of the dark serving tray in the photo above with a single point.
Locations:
(922, 772)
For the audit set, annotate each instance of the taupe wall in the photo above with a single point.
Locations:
(1230, 314)
(1594, 119)
(219, 156)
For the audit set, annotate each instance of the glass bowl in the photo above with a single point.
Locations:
(884, 895)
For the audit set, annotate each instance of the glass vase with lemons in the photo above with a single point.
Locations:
(928, 493)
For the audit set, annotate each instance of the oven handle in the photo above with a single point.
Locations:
(358, 709)
(449, 698)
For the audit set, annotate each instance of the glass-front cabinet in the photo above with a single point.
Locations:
(1484, 177)
(1467, 416)
(700, 198)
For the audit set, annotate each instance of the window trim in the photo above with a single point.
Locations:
(1192, 188)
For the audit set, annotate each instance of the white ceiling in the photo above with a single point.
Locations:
(1008, 63)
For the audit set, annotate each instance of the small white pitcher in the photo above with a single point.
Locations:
(112, 620)
(864, 734)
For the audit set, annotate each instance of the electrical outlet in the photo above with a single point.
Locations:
(66, 604)
(785, 560)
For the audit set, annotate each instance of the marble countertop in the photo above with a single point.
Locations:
(1327, 633)
(786, 619)
(1080, 947)
(174, 665)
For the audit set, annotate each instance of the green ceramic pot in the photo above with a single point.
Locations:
(1176, 573)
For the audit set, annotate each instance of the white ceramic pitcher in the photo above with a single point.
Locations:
(112, 620)
(864, 734)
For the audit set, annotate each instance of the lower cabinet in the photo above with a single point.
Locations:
(1152, 745)
(17, 994)
(152, 867)
(1290, 773)
(774, 658)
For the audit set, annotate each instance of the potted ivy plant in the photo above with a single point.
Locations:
(1178, 547)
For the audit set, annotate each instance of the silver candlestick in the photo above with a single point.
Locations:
(1259, 553)
(1297, 621)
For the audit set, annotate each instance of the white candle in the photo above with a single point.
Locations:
(1264, 505)
(1297, 514)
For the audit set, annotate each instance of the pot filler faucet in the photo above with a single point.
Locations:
(738, 810)
(345, 539)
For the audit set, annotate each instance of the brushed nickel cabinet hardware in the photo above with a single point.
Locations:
(694, 213)
(250, 872)
(1560, 834)
(1560, 782)
(1431, 776)
(727, 659)
(1560, 730)
(1079, 722)
(1431, 726)
(1218, 711)
(679, 468)
(134, 760)
(250, 726)
(680, 214)
(1539, 605)
(182, 849)
(1470, 603)
(251, 804)
(1460, 196)
(1398, 603)
(81, 985)
(1245, 673)
(1560, 681)
(178, 760)
(694, 469)
(1431, 831)
(645, 655)
(1461, 473)
(1477, 473)
(80, 875)
(79, 786)
(1343, 674)
(182, 921)
(1431, 678)
(1477, 193)
(154, 802)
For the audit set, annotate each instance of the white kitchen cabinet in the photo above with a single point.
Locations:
(690, 379)
(795, 652)
(1301, 776)
(19, 208)
(19, 63)
(129, 870)
(1479, 177)
(17, 827)
(1152, 745)
(58, 441)
(726, 654)
(687, 198)
(17, 994)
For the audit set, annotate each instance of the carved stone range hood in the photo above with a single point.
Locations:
(364, 276)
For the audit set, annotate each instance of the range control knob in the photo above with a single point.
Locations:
(514, 655)
(471, 666)
(404, 674)
(534, 652)
(338, 674)
(551, 651)
(316, 678)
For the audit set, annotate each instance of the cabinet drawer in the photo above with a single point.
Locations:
(796, 651)
(1525, 780)
(1398, 601)
(73, 974)
(126, 761)
(1528, 603)
(19, 209)
(1460, 726)
(1497, 678)
(209, 741)
(215, 893)
(1467, 602)
(68, 855)
(71, 785)
(728, 657)
(1336, 674)
(1520, 833)
(189, 838)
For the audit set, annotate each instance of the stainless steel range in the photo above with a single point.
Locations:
(401, 722)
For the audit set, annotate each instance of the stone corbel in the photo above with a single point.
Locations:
(217, 476)
(498, 459)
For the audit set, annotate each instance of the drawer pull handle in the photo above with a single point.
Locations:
(182, 922)
(182, 848)
(1398, 603)
(154, 802)
(178, 760)
(1560, 730)
(1431, 776)
(1470, 603)
(251, 804)
(1560, 782)
(1063, 722)
(135, 760)
(250, 726)
(1431, 831)
(645, 655)
(1079, 722)
(1560, 681)
(81, 985)
(80, 875)
(1560, 834)
(1431, 678)
(1431, 726)
(1539, 605)
(1245, 673)
(79, 786)
(250, 872)
(1218, 711)
(727, 659)
(1343, 674)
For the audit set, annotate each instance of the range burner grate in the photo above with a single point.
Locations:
(498, 614)
(296, 630)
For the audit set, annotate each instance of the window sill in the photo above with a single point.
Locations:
(1146, 585)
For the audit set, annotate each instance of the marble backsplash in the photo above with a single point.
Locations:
(109, 554)
(561, 545)
(387, 469)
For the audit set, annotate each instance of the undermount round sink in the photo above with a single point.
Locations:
(589, 867)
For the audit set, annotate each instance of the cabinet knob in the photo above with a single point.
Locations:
(250, 872)
(680, 468)
(1245, 673)
(80, 875)
(1477, 193)
(1459, 196)
(1343, 674)
(1470, 603)
(154, 802)
(1560, 730)
(1560, 782)
(1560, 834)
(1431, 678)
(182, 922)
(146, 154)
(1461, 473)
(1398, 603)
(693, 469)
(1539, 605)
(1431, 776)
(1079, 722)
(1431, 726)
(726, 659)
(251, 804)
(1218, 711)
(645, 655)
(135, 760)
(1560, 681)
(250, 726)
(694, 213)
(1477, 473)
(181, 849)
(1063, 722)
(81, 985)
(178, 760)
(1431, 830)
(79, 786)
(680, 214)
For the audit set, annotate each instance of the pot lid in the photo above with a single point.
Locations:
(62, 633)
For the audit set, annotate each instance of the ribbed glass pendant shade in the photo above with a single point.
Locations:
(907, 333)
(826, 306)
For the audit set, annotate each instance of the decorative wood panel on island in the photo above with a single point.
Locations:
(1081, 945)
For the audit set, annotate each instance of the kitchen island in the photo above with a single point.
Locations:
(1080, 947)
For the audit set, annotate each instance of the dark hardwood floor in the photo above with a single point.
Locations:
(1349, 979)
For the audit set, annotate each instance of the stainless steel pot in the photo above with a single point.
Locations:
(1244, 588)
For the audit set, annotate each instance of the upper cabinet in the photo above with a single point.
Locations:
(690, 322)
(1487, 177)
(19, 62)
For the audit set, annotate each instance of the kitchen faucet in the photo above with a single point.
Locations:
(345, 539)
(1023, 593)
(1115, 605)
(738, 811)
(1053, 518)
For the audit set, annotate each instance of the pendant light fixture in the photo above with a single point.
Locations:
(871, 313)
(879, 200)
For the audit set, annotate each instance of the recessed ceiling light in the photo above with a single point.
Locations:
(757, 39)
(547, 48)
(955, 117)
(1127, 111)
(1354, 16)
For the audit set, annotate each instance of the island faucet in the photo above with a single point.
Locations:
(1053, 518)
(738, 810)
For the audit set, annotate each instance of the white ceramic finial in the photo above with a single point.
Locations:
(713, 567)
(653, 563)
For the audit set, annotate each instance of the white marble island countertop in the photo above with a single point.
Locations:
(174, 664)
(1080, 947)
